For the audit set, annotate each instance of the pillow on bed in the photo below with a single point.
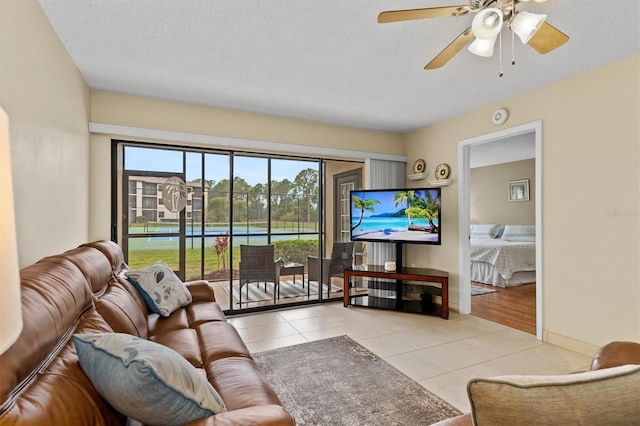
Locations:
(484, 231)
(523, 233)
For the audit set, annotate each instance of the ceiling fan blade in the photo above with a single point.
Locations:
(429, 12)
(548, 38)
(450, 51)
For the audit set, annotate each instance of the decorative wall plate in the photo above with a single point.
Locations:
(442, 171)
(174, 194)
(419, 166)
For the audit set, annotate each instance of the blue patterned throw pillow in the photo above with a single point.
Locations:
(160, 288)
(146, 381)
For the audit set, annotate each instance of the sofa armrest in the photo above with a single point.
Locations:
(201, 291)
(616, 353)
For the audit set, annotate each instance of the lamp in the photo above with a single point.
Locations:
(526, 24)
(483, 46)
(485, 26)
(487, 23)
(10, 304)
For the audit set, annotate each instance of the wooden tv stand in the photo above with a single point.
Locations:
(391, 296)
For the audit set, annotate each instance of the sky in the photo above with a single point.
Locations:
(252, 169)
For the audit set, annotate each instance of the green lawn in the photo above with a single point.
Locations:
(288, 250)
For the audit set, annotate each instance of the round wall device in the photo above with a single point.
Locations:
(500, 116)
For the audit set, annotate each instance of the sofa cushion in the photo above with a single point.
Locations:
(160, 288)
(610, 396)
(121, 310)
(145, 380)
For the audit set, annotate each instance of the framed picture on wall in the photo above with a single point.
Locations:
(519, 190)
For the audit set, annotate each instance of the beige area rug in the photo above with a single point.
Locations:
(288, 289)
(337, 381)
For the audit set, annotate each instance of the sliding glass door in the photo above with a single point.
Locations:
(193, 209)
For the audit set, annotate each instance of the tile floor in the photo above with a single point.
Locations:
(441, 355)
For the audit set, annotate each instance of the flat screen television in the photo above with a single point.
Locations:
(396, 215)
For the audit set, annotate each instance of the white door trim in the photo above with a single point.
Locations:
(464, 212)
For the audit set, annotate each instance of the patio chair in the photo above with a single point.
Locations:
(257, 265)
(341, 258)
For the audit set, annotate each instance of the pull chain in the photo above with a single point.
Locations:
(513, 48)
(500, 51)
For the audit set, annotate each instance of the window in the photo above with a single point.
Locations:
(149, 189)
(244, 197)
(149, 203)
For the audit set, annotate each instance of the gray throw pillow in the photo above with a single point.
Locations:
(146, 381)
(160, 288)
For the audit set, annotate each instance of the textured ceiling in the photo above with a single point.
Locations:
(325, 60)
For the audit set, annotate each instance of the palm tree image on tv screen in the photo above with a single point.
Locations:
(396, 216)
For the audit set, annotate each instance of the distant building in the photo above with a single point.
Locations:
(145, 199)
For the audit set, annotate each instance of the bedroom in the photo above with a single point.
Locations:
(502, 195)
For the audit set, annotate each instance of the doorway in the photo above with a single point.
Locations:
(464, 163)
(343, 184)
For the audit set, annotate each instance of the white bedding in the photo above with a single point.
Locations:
(503, 259)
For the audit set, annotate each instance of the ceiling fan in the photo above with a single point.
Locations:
(491, 16)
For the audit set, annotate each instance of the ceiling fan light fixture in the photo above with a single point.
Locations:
(487, 23)
(483, 46)
(526, 25)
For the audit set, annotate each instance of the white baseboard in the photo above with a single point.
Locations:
(568, 343)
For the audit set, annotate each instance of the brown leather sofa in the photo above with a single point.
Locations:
(83, 291)
(608, 394)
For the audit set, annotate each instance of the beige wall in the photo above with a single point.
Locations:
(111, 108)
(591, 199)
(488, 194)
(47, 101)
(132, 111)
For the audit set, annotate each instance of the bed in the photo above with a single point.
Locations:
(503, 256)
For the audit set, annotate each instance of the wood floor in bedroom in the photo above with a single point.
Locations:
(513, 307)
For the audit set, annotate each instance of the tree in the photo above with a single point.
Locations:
(404, 197)
(218, 207)
(426, 207)
(256, 200)
(306, 183)
(282, 200)
(218, 201)
(363, 205)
